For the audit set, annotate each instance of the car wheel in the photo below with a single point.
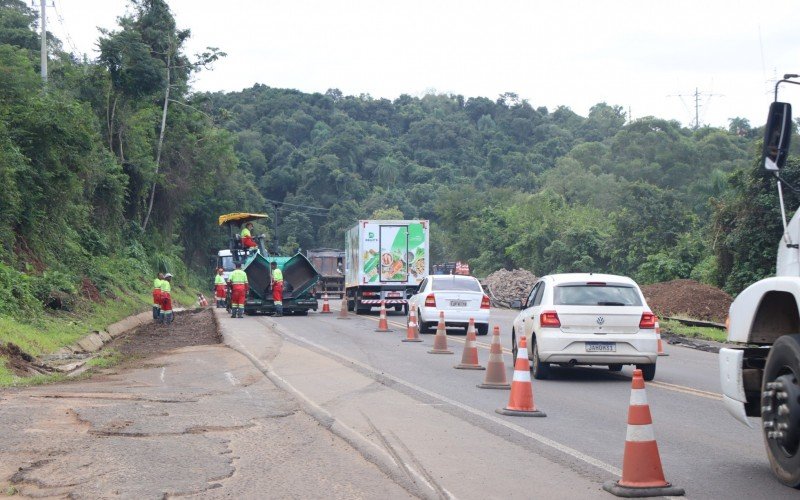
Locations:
(483, 329)
(615, 367)
(648, 371)
(780, 397)
(421, 325)
(541, 370)
(514, 349)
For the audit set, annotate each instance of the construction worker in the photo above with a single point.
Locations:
(166, 299)
(277, 288)
(157, 296)
(247, 238)
(239, 288)
(219, 288)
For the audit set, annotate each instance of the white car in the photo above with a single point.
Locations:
(587, 319)
(460, 297)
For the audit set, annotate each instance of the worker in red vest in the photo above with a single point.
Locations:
(239, 288)
(219, 288)
(157, 297)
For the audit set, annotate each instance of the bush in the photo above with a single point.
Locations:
(17, 295)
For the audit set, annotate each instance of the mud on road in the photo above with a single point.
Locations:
(190, 328)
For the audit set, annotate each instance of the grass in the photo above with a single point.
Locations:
(52, 331)
(105, 359)
(695, 332)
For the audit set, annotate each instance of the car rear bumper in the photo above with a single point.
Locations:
(454, 318)
(639, 348)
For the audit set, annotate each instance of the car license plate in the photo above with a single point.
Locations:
(601, 347)
(458, 303)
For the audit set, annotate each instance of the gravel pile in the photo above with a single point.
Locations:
(688, 299)
(504, 286)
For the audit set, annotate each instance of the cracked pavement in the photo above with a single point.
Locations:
(199, 421)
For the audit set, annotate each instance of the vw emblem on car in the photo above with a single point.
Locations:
(600, 320)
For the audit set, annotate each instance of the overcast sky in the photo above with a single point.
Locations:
(648, 56)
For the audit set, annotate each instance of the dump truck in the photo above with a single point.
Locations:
(329, 262)
(299, 275)
(762, 378)
(385, 260)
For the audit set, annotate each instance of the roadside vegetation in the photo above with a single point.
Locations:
(117, 170)
(693, 332)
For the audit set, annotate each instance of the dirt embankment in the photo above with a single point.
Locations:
(688, 299)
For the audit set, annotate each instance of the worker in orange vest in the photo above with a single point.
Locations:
(219, 288)
(166, 299)
(157, 296)
(239, 288)
(247, 237)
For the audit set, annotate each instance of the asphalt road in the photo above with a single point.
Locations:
(581, 440)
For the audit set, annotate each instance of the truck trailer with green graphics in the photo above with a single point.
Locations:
(385, 260)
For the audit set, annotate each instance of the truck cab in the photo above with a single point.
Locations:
(762, 377)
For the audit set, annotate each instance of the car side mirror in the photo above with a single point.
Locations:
(516, 304)
(776, 135)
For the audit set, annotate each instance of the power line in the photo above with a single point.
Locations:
(696, 95)
(63, 25)
(276, 202)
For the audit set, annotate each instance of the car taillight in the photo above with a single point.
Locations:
(550, 319)
(485, 302)
(430, 300)
(648, 321)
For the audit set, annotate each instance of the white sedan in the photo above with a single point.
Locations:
(587, 319)
(459, 297)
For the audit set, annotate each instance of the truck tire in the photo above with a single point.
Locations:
(482, 329)
(351, 305)
(648, 371)
(780, 403)
(360, 309)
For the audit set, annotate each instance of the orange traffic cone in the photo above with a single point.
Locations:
(411, 333)
(520, 402)
(469, 359)
(495, 367)
(660, 344)
(642, 475)
(326, 307)
(383, 324)
(343, 310)
(440, 339)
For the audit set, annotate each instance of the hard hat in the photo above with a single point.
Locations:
(168, 275)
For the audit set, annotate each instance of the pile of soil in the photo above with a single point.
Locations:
(688, 299)
(189, 328)
(504, 286)
(89, 290)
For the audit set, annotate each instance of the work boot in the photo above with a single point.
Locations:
(156, 312)
(168, 318)
(233, 311)
(279, 310)
(241, 312)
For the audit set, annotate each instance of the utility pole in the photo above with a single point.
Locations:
(44, 42)
(696, 95)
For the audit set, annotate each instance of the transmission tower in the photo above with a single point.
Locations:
(696, 95)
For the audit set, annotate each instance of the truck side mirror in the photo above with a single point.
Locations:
(777, 135)
(516, 304)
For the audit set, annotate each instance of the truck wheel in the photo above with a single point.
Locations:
(361, 310)
(351, 305)
(648, 371)
(780, 409)
(482, 329)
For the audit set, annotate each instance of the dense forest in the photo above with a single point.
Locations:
(116, 168)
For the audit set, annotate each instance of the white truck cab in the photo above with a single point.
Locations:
(762, 379)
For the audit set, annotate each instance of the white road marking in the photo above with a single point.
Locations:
(497, 420)
(163, 372)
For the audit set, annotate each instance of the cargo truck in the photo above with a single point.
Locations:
(329, 263)
(762, 378)
(385, 260)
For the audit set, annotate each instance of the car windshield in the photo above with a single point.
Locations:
(456, 284)
(227, 263)
(596, 295)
